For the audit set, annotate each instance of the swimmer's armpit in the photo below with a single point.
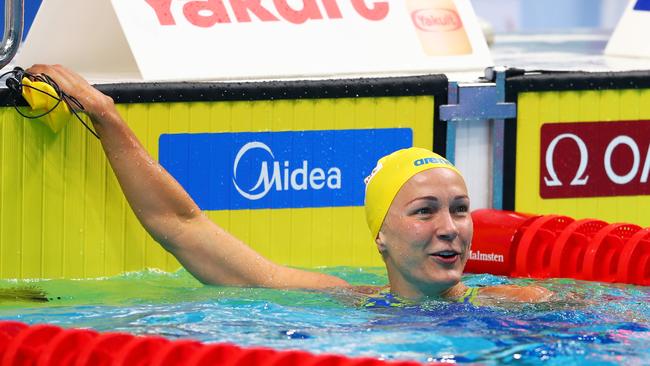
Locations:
(23, 294)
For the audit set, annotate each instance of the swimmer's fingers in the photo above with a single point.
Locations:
(63, 77)
(75, 86)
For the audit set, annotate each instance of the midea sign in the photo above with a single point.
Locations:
(594, 159)
(283, 169)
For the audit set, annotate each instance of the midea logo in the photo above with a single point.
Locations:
(280, 176)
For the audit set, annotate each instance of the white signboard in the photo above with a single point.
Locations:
(256, 39)
(630, 38)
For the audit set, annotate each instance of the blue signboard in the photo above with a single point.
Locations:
(643, 5)
(289, 169)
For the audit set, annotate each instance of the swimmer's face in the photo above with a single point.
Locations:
(426, 235)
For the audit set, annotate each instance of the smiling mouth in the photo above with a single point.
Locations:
(446, 256)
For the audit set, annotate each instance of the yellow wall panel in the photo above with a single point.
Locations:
(62, 213)
(538, 108)
(10, 195)
(94, 223)
(32, 200)
(73, 173)
(115, 222)
(53, 207)
(10, 199)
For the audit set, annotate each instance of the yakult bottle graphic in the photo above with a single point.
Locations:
(439, 27)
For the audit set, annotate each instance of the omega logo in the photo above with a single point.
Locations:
(584, 159)
(581, 178)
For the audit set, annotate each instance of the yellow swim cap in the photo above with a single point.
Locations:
(390, 174)
(35, 94)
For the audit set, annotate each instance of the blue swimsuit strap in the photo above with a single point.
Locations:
(384, 299)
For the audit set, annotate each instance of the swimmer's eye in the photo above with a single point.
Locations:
(424, 211)
(461, 209)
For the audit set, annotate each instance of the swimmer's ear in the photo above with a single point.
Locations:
(381, 243)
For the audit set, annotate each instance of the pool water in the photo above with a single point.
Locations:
(589, 323)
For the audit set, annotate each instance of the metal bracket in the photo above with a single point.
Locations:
(479, 102)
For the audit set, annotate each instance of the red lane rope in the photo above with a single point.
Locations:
(45, 345)
(521, 245)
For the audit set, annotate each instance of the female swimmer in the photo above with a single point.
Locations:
(416, 203)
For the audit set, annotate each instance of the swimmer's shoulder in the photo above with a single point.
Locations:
(358, 295)
(369, 289)
(530, 293)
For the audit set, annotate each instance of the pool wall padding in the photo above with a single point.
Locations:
(62, 213)
(607, 99)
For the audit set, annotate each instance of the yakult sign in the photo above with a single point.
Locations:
(251, 39)
(287, 169)
(207, 13)
(594, 159)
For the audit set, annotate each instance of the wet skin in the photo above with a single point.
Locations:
(426, 235)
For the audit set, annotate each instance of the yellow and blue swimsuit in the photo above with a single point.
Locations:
(469, 297)
(386, 299)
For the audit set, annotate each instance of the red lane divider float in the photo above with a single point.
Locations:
(48, 345)
(601, 257)
(570, 246)
(496, 237)
(522, 245)
(533, 257)
(634, 261)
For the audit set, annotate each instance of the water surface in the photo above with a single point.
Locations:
(588, 323)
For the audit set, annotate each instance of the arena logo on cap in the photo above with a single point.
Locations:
(595, 159)
(423, 161)
(288, 169)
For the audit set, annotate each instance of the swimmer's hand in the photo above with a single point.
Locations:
(94, 102)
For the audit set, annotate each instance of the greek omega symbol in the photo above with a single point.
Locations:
(579, 178)
(280, 176)
(595, 159)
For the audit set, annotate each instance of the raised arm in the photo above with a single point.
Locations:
(167, 212)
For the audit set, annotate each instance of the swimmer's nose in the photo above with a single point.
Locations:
(447, 229)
